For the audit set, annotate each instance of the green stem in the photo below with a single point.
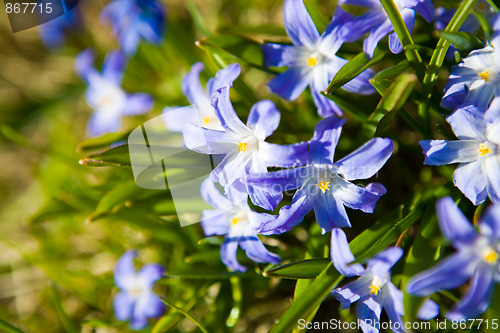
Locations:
(439, 55)
(187, 315)
(404, 36)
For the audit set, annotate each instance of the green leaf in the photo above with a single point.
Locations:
(212, 240)
(392, 101)
(463, 41)
(187, 315)
(352, 69)
(239, 47)
(392, 71)
(421, 255)
(197, 17)
(304, 269)
(9, 328)
(206, 275)
(347, 107)
(116, 156)
(106, 140)
(114, 199)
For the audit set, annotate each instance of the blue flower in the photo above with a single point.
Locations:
(203, 113)
(324, 185)
(376, 21)
(53, 33)
(136, 301)
(477, 151)
(233, 217)
(476, 259)
(243, 147)
(476, 79)
(135, 19)
(311, 60)
(105, 95)
(374, 291)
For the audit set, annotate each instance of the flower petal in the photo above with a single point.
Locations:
(353, 291)
(341, 255)
(123, 305)
(326, 107)
(453, 223)
(468, 123)
(124, 270)
(361, 84)
(84, 63)
(150, 273)
(291, 83)
(330, 212)
(224, 77)
(409, 18)
(283, 155)
(439, 152)
(225, 112)
(423, 7)
(490, 222)
(491, 169)
(263, 198)
(138, 103)
(279, 55)
(208, 141)
(375, 36)
(428, 310)
(213, 196)
(175, 118)
(228, 251)
(102, 122)
(382, 263)
(191, 86)
(113, 67)
(326, 137)
(215, 222)
(367, 160)
(149, 305)
(449, 273)
(289, 216)
(478, 296)
(355, 197)
(471, 180)
(393, 306)
(298, 24)
(264, 119)
(368, 312)
(256, 251)
(280, 181)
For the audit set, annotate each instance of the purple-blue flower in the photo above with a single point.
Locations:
(53, 33)
(133, 20)
(136, 302)
(376, 21)
(311, 60)
(476, 79)
(374, 291)
(243, 147)
(105, 95)
(476, 259)
(203, 113)
(477, 151)
(233, 218)
(324, 185)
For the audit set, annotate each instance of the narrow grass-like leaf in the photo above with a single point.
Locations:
(347, 107)
(8, 328)
(197, 18)
(304, 269)
(116, 156)
(106, 140)
(463, 41)
(204, 275)
(187, 315)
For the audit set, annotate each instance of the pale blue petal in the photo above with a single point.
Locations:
(150, 273)
(453, 223)
(175, 118)
(113, 67)
(375, 36)
(330, 212)
(449, 273)
(102, 122)
(264, 198)
(84, 63)
(278, 55)
(224, 77)
(342, 256)
(326, 137)
(382, 263)
(353, 291)
(264, 119)
(439, 152)
(298, 24)
(149, 305)
(256, 251)
(208, 141)
(123, 305)
(225, 112)
(228, 252)
(368, 312)
(428, 310)
(409, 18)
(478, 296)
(291, 83)
(125, 270)
(213, 196)
(490, 223)
(423, 7)
(326, 107)
(280, 181)
(471, 180)
(355, 197)
(367, 160)
(191, 86)
(491, 169)
(215, 222)
(283, 155)
(393, 306)
(361, 84)
(468, 123)
(137, 104)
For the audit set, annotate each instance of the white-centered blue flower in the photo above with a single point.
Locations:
(233, 218)
(476, 259)
(136, 302)
(203, 113)
(476, 80)
(243, 147)
(477, 151)
(105, 95)
(311, 60)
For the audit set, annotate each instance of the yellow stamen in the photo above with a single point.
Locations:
(375, 286)
(490, 256)
(483, 150)
(235, 220)
(206, 120)
(242, 147)
(324, 186)
(485, 75)
(312, 61)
